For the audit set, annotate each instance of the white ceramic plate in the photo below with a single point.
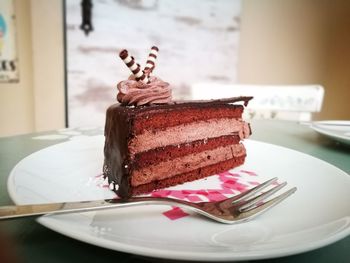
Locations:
(318, 214)
(337, 130)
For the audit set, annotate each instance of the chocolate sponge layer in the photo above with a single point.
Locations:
(154, 156)
(189, 176)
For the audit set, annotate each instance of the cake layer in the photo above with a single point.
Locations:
(187, 133)
(186, 164)
(158, 120)
(179, 112)
(187, 177)
(169, 152)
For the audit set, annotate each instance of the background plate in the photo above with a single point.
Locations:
(337, 130)
(316, 215)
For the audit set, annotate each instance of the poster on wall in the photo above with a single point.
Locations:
(8, 51)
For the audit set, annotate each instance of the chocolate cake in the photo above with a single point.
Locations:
(153, 142)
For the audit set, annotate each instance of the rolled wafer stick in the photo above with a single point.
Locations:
(150, 64)
(144, 77)
(133, 66)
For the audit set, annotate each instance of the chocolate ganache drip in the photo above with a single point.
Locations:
(140, 88)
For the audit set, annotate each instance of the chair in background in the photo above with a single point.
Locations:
(289, 102)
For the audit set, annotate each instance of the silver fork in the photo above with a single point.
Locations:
(236, 209)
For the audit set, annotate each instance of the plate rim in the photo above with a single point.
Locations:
(169, 254)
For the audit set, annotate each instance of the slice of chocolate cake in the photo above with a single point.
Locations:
(152, 142)
(152, 147)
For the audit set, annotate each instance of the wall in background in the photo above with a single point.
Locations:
(337, 72)
(16, 99)
(36, 102)
(298, 42)
(48, 64)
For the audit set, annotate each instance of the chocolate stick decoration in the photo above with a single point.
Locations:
(133, 66)
(150, 64)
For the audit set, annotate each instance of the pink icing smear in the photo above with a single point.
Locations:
(229, 184)
(249, 172)
(175, 213)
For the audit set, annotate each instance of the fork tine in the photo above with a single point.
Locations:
(255, 200)
(248, 213)
(245, 195)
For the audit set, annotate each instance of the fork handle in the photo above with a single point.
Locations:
(18, 211)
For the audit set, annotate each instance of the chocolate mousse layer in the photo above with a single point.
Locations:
(188, 132)
(185, 164)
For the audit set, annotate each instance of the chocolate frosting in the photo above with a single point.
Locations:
(186, 103)
(137, 93)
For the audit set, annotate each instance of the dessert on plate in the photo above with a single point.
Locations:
(152, 142)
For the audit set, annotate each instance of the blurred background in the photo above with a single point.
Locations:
(54, 75)
(198, 41)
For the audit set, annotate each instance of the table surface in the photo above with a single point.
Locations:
(24, 240)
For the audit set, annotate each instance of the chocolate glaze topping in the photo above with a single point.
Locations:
(185, 103)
